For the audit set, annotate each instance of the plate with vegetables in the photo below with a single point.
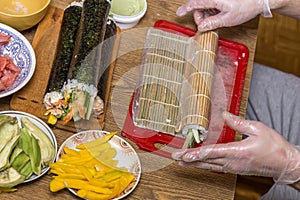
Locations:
(27, 147)
(17, 60)
(96, 164)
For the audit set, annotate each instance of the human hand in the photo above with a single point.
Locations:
(212, 14)
(263, 153)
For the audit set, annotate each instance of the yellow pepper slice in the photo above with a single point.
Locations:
(4, 190)
(56, 185)
(92, 195)
(96, 142)
(70, 152)
(52, 119)
(81, 184)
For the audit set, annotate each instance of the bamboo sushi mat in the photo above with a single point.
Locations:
(176, 80)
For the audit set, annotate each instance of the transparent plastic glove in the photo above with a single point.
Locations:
(263, 153)
(212, 14)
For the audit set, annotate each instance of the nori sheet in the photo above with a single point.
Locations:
(85, 65)
(106, 56)
(65, 48)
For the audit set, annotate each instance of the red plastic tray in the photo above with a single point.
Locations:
(233, 59)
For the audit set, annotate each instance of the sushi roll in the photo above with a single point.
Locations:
(78, 94)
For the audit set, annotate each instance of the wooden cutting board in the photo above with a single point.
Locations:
(30, 98)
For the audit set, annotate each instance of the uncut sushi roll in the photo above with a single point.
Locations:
(79, 92)
(85, 69)
(65, 47)
(53, 99)
(106, 60)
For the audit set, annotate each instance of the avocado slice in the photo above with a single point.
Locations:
(46, 146)
(6, 151)
(10, 178)
(8, 129)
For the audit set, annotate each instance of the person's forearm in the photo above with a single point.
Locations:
(289, 8)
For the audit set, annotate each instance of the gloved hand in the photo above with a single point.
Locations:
(263, 153)
(212, 14)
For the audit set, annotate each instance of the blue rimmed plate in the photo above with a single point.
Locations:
(22, 54)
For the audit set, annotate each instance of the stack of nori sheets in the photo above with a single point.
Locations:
(173, 94)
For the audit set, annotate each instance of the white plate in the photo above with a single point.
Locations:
(22, 54)
(126, 155)
(43, 126)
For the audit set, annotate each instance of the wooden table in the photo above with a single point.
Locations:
(162, 178)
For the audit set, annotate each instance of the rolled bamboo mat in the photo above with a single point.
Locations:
(175, 81)
(197, 84)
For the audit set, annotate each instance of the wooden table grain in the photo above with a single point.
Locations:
(161, 178)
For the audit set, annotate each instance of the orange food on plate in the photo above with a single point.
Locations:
(91, 171)
(4, 39)
(9, 72)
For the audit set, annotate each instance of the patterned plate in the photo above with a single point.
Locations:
(22, 54)
(126, 155)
